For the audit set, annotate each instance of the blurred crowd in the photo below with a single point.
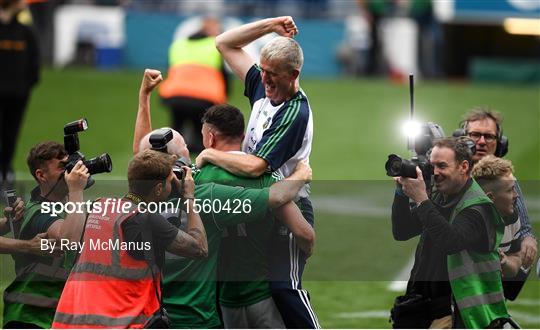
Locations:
(300, 8)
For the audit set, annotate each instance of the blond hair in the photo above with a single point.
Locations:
(490, 170)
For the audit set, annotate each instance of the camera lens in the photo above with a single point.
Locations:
(397, 166)
(393, 165)
(408, 169)
(100, 164)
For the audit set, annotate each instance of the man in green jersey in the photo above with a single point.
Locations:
(245, 297)
(190, 285)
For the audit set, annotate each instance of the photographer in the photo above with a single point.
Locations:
(30, 300)
(128, 280)
(460, 232)
(483, 126)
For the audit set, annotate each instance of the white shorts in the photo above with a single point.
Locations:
(261, 315)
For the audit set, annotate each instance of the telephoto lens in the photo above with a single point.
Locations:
(397, 166)
(100, 164)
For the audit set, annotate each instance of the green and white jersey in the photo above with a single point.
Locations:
(282, 133)
(189, 285)
(243, 262)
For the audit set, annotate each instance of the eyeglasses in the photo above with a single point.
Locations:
(487, 137)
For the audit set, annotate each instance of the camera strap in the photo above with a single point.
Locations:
(54, 187)
(150, 258)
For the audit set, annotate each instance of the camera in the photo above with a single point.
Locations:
(159, 140)
(96, 165)
(11, 198)
(422, 143)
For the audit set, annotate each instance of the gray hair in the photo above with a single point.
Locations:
(286, 50)
(177, 146)
(481, 113)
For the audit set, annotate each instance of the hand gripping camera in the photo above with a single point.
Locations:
(159, 141)
(96, 165)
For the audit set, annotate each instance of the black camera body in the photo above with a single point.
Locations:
(96, 165)
(422, 144)
(15, 226)
(159, 141)
(177, 168)
(397, 166)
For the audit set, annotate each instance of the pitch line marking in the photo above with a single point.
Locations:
(377, 314)
(525, 302)
(399, 284)
(523, 317)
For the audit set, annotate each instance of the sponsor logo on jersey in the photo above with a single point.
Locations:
(267, 123)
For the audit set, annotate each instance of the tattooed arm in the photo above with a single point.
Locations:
(192, 243)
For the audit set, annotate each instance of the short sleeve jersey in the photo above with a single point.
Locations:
(189, 285)
(280, 134)
(243, 262)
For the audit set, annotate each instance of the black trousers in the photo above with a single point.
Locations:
(11, 114)
(286, 268)
(186, 111)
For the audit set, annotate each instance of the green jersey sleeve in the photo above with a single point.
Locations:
(233, 205)
(39, 224)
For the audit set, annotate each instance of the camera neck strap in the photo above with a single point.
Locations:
(150, 259)
(54, 186)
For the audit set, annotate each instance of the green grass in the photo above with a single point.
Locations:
(357, 124)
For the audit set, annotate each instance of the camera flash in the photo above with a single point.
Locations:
(411, 128)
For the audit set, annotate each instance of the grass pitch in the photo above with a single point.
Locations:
(357, 124)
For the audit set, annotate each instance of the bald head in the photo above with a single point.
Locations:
(177, 146)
